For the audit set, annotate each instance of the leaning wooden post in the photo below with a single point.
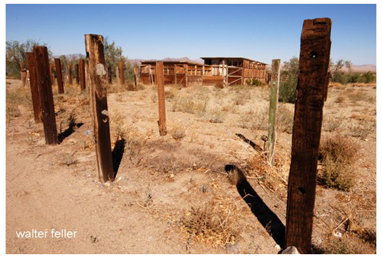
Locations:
(161, 100)
(70, 74)
(82, 74)
(122, 74)
(45, 94)
(60, 82)
(34, 89)
(98, 96)
(275, 84)
(311, 90)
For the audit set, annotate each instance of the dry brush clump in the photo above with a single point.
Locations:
(212, 224)
(178, 132)
(338, 153)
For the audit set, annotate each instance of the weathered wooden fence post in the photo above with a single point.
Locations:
(78, 74)
(46, 95)
(60, 81)
(51, 73)
(311, 91)
(117, 76)
(274, 98)
(34, 88)
(23, 74)
(110, 75)
(98, 96)
(161, 99)
(122, 74)
(82, 74)
(70, 74)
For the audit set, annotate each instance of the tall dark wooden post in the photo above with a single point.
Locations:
(78, 74)
(122, 74)
(82, 74)
(110, 75)
(98, 96)
(46, 95)
(34, 89)
(311, 93)
(274, 98)
(161, 100)
(70, 74)
(60, 82)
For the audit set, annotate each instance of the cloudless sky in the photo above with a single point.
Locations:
(257, 31)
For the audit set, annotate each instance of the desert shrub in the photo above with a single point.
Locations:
(213, 116)
(190, 105)
(363, 130)
(340, 99)
(254, 82)
(337, 154)
(288, 81)
(211, 224)
(240, 97)
(178, 132)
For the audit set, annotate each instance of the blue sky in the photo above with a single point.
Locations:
(260, 32)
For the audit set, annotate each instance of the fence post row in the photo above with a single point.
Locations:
(98, 97)
(274, 98)
(161, 100)
(60, 81)
(34, 88)
(311, 93)
(45, 94)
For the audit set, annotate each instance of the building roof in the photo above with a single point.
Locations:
(224, 57)
(170, 62)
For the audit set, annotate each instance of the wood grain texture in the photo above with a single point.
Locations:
(161, 98)
(60, 81)
(34, 88)
(45, 94)
(98, 98)
(311, 91)
(273, 101)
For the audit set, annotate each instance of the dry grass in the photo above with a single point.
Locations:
(15, 98)
(285, 118)
(338, 153)
(212, 224)
(254, 119)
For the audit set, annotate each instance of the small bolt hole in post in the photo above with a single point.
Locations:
(301, 190)
(313, 55)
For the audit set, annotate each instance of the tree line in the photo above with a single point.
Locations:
(16, 54)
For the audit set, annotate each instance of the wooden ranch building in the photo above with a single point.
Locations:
(227, 70)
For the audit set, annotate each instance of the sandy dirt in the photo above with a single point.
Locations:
(171, 194)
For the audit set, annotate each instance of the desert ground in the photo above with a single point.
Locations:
(172, 193)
